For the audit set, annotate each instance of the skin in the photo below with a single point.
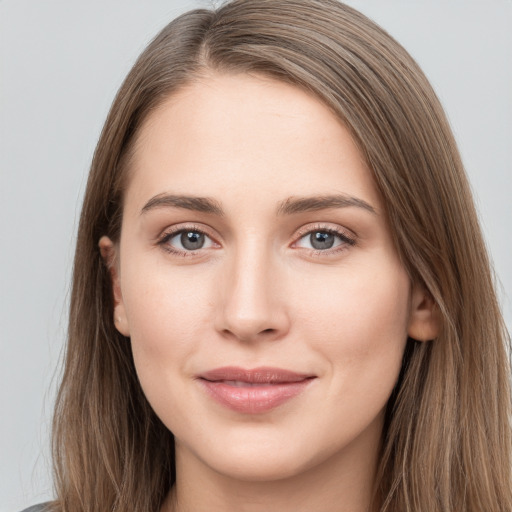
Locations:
(258, 294)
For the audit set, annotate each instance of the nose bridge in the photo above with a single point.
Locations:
(251, 307)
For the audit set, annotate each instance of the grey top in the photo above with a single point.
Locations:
(35, 508)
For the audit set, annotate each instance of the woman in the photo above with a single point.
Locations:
(281, 297)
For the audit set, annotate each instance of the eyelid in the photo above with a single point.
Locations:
(177, 228)
(321, 226)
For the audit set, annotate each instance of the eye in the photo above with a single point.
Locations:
(185, 241)
(324, 240)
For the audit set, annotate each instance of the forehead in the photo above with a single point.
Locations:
(228, 132)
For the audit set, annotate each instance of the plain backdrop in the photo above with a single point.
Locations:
(61, 62)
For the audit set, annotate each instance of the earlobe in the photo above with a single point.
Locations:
(108, 253)
(424, 319)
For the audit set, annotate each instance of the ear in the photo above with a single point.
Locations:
(424, 318)
(108, 253)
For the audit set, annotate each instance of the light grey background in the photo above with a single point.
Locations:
(61, 62)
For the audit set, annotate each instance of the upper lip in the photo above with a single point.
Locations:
(260, 375)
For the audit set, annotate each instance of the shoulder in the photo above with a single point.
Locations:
(36, 508)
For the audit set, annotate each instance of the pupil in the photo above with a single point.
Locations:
(322, 240)
(192, 240)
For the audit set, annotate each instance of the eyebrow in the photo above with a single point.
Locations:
(289, 206)
(198, 204)
(313, 203)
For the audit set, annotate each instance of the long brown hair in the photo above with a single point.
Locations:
(447, 441)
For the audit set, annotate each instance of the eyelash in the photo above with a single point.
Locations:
(346, 239)
(342, 235)
(169, 235)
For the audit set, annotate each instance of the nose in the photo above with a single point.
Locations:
(251, 304)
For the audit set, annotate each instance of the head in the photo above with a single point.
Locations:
(452, 353)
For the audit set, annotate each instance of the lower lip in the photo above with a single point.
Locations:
(254, 399)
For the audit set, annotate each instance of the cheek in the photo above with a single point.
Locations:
(359, 324)
(167, 313)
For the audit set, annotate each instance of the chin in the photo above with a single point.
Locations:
(264, 458)
(262, 466)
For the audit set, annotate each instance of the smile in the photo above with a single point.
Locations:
(253, 391)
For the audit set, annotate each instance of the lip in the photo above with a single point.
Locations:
(253, 391)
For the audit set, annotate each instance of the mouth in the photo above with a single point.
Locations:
(252, 391)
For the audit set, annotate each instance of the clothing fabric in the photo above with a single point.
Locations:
(36, 508)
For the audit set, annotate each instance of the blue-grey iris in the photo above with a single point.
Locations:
(321, 240)
(192, 240)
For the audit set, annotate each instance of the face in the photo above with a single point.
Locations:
(257, 279)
